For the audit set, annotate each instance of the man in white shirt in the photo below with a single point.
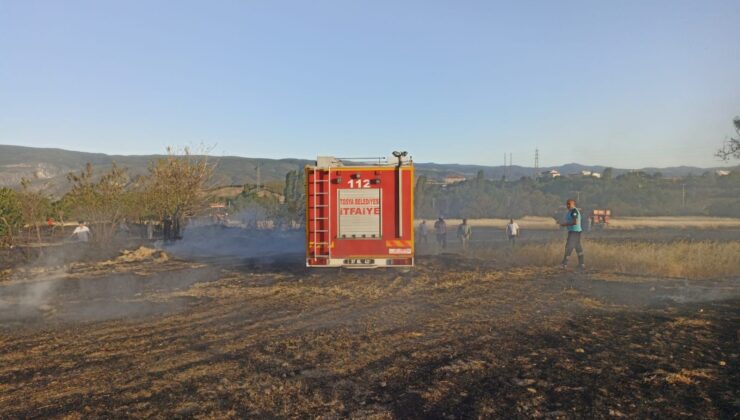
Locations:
(512, 231)
(82, 232)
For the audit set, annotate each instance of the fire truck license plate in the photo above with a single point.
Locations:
(359, 261)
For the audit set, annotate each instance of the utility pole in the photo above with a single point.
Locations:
(510, 164)
(259, 177)
(505, 167)
(536, 163)
(683, 195)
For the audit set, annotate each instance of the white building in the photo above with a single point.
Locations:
(453, 179)
(590, 173)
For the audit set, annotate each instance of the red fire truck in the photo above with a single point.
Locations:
(360, 215)
(600, 218)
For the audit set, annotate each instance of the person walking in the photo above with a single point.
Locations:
(82, 233)
(512, 231)
(440, 228)
(423, 232)
(464, 232)
(573, 225)
(150, 230)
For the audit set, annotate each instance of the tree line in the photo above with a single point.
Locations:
(630, 194)
(171, 190)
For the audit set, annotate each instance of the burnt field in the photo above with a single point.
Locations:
(146, 334)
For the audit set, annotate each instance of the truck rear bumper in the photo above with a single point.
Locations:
(389, 261)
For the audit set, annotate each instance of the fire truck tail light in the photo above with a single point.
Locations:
(399, 261)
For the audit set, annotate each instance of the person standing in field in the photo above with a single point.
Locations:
(82, 233)
(52, 226)
(423, 232)
(464, 232)
(167, 229)
(149, 230)
(573, 225)
(440, 228)
(512, 231)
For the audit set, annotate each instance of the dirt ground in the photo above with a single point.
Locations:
(145, 334)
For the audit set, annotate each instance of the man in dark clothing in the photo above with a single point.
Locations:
(167, 228)
(440, 228)
(573, 225)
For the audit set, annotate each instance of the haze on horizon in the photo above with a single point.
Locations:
(625, 84)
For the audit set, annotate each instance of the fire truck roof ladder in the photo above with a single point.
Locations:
(325, 215)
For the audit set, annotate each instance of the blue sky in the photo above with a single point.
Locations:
(621, 83)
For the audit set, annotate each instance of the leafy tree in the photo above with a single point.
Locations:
(99, 201)
(11, 217)
(608, 174)
(731, 148)
(34, 207)
(173, 187)
(479, 177)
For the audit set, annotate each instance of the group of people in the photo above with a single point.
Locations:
(464, 233)
(572, 223)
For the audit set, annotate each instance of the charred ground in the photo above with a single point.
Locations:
(147, 335)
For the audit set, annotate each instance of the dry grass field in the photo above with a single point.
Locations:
(492, 334)
(692, 260)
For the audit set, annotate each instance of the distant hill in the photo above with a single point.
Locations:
(49, 168)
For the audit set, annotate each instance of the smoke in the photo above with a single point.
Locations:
(27, 294)
(32, 286)
(83, 282)
(72, 283)
(247, 238)
(37, 294)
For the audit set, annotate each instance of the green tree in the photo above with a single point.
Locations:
(11, 217)
(480, 177)
(608, 174)
(98, 201)
(34, 207)
(731, 148)
(173, 187)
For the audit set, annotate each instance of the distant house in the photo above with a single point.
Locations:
(720, 172)
(591, 174)
(553, 173)
(453, 179)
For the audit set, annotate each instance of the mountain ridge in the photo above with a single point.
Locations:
(48, 167)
